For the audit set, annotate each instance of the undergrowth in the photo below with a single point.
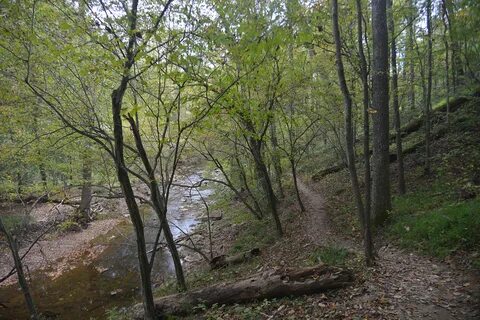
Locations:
(334, 256)
(438, 231)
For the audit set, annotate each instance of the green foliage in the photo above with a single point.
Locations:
(438, 231)
(422, 200)
(335, 256)
(256, 234)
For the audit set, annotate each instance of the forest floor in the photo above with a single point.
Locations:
(405, 283)
(401, 285)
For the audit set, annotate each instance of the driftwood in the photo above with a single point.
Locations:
(267, 285)
(224, 261)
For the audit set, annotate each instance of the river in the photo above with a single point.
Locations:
(111, 280)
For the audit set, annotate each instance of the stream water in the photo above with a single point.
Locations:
(111, 280)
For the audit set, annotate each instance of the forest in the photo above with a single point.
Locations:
(239, 159)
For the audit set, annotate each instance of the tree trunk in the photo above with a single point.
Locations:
(411, 64)
(276, 159)
(447, 61)
(381, 201)
(41, 166)
(367, 233)
(265, 182)
(124, 180)
(86, 198)
(266, 285)
(396, 106)
(428, 97)
(159, 204)
(295, 182)
(349, 127)
(122, 172)
(22, 281)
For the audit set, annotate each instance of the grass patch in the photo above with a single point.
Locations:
(439, 231)
(334, 256)
(422, 200)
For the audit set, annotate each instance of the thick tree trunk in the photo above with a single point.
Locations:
(381, 201)
(367, 233)
(428, 97)
(396, 106)
(22, 281)
(266, 285)
(349, 127)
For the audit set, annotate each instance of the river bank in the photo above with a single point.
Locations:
(83, 274)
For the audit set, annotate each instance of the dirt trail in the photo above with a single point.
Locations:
(401, 285)
(318, 227)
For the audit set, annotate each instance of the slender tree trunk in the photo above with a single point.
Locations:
(447, 61)
(122, 172)
(276, 159)
(86, 198)
(396, 106)
(367, 233)
(263, 175)
(428, 97)
(41, 166)
(295, 182)
(411, 64)
(348, 124)
(381, 201)
(22, 281)
(129, 196)
(160, 205)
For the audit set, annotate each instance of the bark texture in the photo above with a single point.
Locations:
(22, 281)
(367, 233)
(265, 285)
(428, 104)
(381, 199)
(348, 118)
(396, 104)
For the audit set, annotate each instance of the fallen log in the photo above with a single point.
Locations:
(225, 261)
(266, 285)
(415, 124)
(325, 172)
